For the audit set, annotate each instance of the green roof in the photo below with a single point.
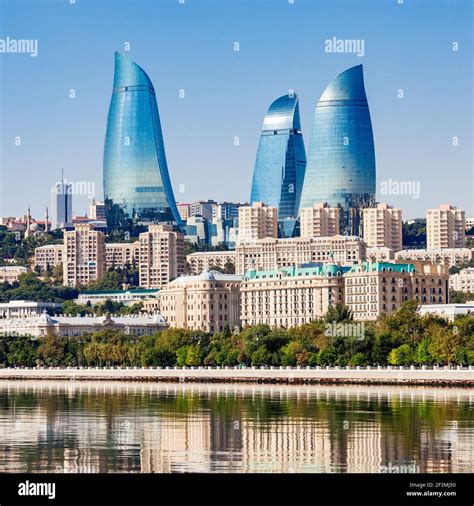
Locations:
(324, 270)
(382, 266)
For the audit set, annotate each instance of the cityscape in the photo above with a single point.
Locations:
(317, 262)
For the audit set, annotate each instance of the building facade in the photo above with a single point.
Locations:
(449, 256)
(445, 227)
(208, 302)
(26, 308)
(341, 159)
(319, 221)
(11, 273)
(161, 256)
(281, 162)
(83, 256)
(257, 221)
(273, 254)
(48, 256)
(382, 227)
(463, 281)
(205, 260)
(202, 208)
(137, 186)
(290, 296)
(61, 205)
(122, 254)
(126, 297)
(97, 211)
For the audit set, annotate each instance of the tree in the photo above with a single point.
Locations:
(51, 350)
(338, 313)
(261, 356)
(403, 355)
(445, 343)
(229, 267)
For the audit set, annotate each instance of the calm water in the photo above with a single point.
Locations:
(132, 427)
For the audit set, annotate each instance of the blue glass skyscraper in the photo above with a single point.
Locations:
(341, 159)
(281, 161)
(137, 186)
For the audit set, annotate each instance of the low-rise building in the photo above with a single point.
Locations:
(449, 311)
(11, 273)
(463, 281)
(208, 302)
(127, 297)
(450, 256)
(43, 325)
(205, 260)
(48, 256)
(273, 254)
(26, 308)
(291, 295)
(380, 254)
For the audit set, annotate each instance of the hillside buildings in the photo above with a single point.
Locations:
(11, 273)
(206, 260)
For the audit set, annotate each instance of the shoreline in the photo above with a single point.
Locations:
(459, 377)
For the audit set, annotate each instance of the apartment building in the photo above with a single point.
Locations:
(448, 256)
(257, 221)
(121, 254)
(445, 227)
(48, 256)
(205, 260)
(463, 281)
(319, 221)
(382, 227)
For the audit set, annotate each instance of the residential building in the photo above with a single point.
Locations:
(26, 308)
(319, 221)
(463, 281)
(137, 184)
(226, 210)
(449, 256)
(161, 256)
(273, 254)
(380, 254)
(61, 205)
(11, 273)
(257, 221)
(382, 227)
(97, 211)
(184, 210)
(48, 256)
(75, 326)
(449, 311)
(445, 227)
(122, 254)
(83, 255)
(206, 260)
(372, 289)
(341, 159)
(126, 297)
(291, 295)
(281, 162)
(469, 223)
(202, 208)
(208, 302)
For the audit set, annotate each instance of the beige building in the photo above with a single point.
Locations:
(372, 289)
(448, 256)
(257, 221)
(97, 211)
(382, 227)
(208, 302)
(445, 227)
(122, 254)
(319, 221)
(10, 273)
(184, 210)
(380, 254)
(463, 281)
(48, 256)
(161, 256)
(273, 254)
(290, 296)
(204, 260)
(83, 255)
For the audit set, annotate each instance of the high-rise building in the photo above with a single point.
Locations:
(137, 186)
(96, 211)
(184, 210)
(208, 302)
(281, 161)
(341, 160)
(257, 221)
(445, 227)
(382, 227)
(319, 221)
(61, 205)
(46, 257)
(202, 208)
(161, 256)
(83, 255)
(226, 210)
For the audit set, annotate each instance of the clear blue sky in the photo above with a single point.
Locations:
(190, 46)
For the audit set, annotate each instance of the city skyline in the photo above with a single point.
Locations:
(223, 83)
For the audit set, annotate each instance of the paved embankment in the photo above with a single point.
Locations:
(376, 375)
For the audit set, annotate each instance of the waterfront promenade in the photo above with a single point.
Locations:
(456, 376)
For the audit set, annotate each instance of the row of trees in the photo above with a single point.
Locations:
(402, 338)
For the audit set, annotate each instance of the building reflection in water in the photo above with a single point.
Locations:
(158, 428)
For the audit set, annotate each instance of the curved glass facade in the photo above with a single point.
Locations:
(341, 160)
(137, 187)
(281, 161)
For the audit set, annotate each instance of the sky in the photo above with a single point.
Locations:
(418, 69)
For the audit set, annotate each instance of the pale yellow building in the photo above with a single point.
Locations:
(48, 256)
(319, 221)
(290, 296)
(184, 210)
(257, 221)
(448, 256)
(202, 260)
(161, 256)
(445, 227)
(11, 273)
(208, 302)
(118, 255)
(83, 255)
(382, 227)
(272, 254)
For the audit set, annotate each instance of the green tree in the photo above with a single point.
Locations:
(403, 355)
